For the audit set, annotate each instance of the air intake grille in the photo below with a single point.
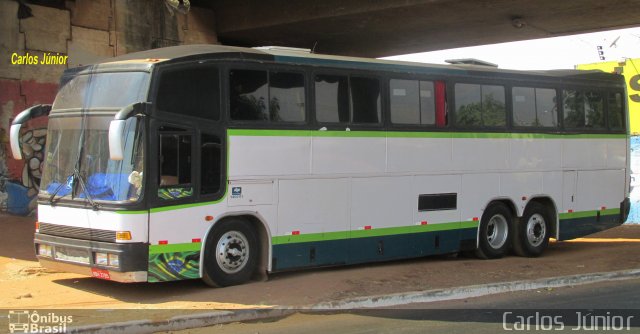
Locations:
(77, 232)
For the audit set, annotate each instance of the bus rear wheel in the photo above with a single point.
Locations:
(532, 233)
(231, 254)
(495, 232)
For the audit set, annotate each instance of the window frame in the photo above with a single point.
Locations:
(154, 178)
(382, 122)
(582, 89)
(537, 129)
(452, 101)
(268, 67)
(157, 79)
(420, 126)
(623, 106)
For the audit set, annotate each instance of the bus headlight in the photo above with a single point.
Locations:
(44, 250)
(114, 260)
(102, 259)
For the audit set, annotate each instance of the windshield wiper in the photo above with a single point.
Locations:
(83, 185)
(74, 176)
(55, 192)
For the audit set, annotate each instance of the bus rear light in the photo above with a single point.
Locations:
(196, 240)
(44, 250)
(295, 233)
(424, 222)
(163, 242)
(123, 235)
(475, 219)
(37, 227)
(368, 227)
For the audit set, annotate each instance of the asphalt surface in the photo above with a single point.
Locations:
(600, 307)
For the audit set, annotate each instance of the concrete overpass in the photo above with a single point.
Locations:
(390, 27)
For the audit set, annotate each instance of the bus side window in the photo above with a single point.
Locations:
(480, 105)
(175, 166)
(332, 98)
(249, 95)
(190, 91)
(616, 112)
(365, 100)
(534, 107)
(414, 102)
(583, 109)
(210, 164)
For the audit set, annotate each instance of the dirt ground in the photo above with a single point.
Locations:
(26, 285)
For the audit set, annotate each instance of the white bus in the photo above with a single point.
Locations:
(222, 163)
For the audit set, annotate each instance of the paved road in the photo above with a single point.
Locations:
(616, 302)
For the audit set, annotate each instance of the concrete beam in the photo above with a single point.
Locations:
(383, 28)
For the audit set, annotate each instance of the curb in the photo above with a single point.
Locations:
(379, 301)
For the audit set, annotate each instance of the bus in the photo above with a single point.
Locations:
(226, 163)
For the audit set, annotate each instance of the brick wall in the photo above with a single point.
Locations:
(86, 31)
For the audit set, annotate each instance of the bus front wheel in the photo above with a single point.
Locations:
(495, 232)
(532, 233)
(231, 254)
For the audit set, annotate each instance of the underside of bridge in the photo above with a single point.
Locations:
(376, 28)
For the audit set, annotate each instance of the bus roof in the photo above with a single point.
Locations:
(298, 56)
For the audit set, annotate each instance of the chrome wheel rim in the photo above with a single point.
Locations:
(497, 231)
(232, 252)
(536, 230)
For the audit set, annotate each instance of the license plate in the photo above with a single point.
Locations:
(72, 255)
(100, 273)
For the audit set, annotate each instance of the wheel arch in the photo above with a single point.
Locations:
(508, 202)
(258, 224)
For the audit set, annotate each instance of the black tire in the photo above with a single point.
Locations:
(231, 254)
(532, 233)
(496, 232)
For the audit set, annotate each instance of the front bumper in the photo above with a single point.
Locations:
(79, 256)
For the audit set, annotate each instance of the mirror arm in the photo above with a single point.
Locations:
(24, 116)
(33, 112)
(128, 111)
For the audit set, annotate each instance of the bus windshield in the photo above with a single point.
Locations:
(71, 159)
(101, 90)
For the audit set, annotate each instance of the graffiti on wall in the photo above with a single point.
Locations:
(32, 143)
(4, 170)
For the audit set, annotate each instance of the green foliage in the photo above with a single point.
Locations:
(491, 112)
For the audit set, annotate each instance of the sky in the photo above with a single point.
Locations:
(546, 53)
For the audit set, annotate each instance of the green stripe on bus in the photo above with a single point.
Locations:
(376, 232)
(124, 212)
(413, 134)
(186, 206)
(592, 213)
(175, 248)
